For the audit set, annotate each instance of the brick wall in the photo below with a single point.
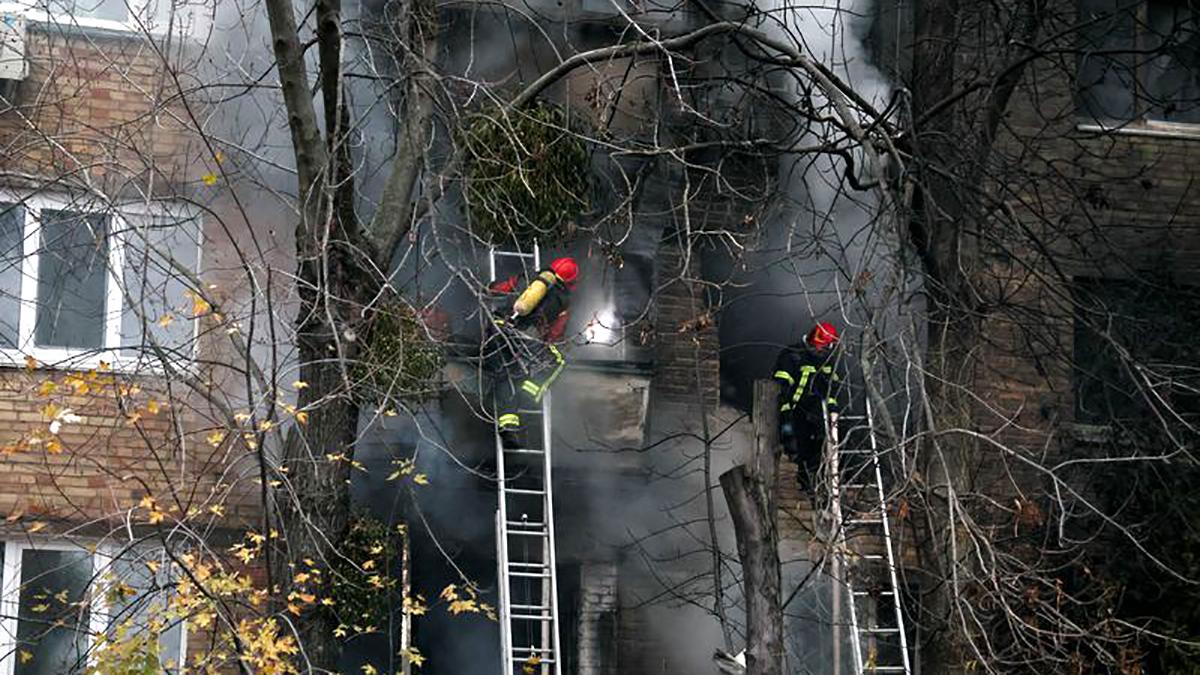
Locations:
(100, 106)
(686, 363)
(1100, 204)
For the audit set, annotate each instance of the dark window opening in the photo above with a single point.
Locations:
(1136, 357)
(1139, 60)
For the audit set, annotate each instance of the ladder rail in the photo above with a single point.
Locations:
(549, 542)
(841, 574)
(889, 550)
(503, 581)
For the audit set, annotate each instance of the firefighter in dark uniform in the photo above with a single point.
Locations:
(806, 373)
(528, 332)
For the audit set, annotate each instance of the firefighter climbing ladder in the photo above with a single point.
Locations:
(525, 531)
(879, 642)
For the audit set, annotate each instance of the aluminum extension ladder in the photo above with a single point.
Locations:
(525, 551)
(879, 642)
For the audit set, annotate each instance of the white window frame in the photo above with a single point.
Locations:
(120, 220)
(98, 612)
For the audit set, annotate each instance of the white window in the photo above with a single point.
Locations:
(55, 597)
(62, 300)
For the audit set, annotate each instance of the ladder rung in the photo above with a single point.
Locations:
(531, 608)
(872, 593)
(526, 564)
(532, 411)
(524, 523)
(530, 617)
(524, 451)
(885, 669)
(533, 649)
(879, 631)
(530, 575)
(524, 664)
(524, 491)
(852, 418)
(856, 486)
(864, 521)
(855, 452)
(512, 254)
(528, 533)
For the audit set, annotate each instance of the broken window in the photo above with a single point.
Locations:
(1139, 60)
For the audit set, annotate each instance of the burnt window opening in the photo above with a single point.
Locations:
(1136, 360)
(1139, 60)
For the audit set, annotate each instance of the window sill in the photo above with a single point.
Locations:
(62, 360)
(1145, 128)
(1092, 434)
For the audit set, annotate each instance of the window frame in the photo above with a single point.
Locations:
(122, 218)
(99, 610)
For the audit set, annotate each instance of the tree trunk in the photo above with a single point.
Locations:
(752, 493)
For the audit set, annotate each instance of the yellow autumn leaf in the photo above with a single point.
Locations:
(147, 502)
(47, 388)
(26, 656)
(265, 425)
(369, 669)
(421, 479)
(40, 608)
(414, 656)
(153, 566)
(217, 510)
(165, 320)
(214, 439)
(339, 632)
(219, 157)
(301, 577)
(302, 417)
(152, 406)
(30, 363)
(209, 178)
(299, 384)
(54, 446)
(200, 306)
(368, 564)
(36, 526)
(156, 517)
(294, 609)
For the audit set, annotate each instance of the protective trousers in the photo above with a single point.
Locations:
(528, 368)
(803, 438)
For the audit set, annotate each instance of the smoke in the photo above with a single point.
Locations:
(820, 241)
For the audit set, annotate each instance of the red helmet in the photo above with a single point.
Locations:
(566, 269)
(823, 335)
